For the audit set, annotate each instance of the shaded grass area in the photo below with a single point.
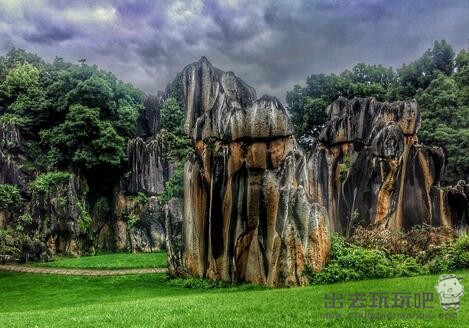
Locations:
(153, 300)
(113, 261)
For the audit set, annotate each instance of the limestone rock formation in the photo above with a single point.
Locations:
(247, 212)
(66, 220)
(11, 156)
(458, 202)
(58, 215)
(368, 167)
(148, 123)
(149, 169)
(140, 225)
(174, 235)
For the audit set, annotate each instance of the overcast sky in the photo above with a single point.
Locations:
(271, 45)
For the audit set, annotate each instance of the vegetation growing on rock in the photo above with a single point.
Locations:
(9, 197)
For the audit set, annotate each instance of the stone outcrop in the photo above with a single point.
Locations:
(247, 212)
(140, 224)
(59, 215)
(149, 122)
(174, 235)
(149, 169)
(458, 202)
(12, 156)
(367, 167)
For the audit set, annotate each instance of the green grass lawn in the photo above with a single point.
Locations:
(30, 300)
(110, 261)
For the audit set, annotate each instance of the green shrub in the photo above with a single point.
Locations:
(85, 219)
(338, 247)
(351, 262)
(132, 221)
(344, 167)
(45, 181)
(4, 233)
(176, 147)
(25, 219)
(9, 197)
(423, 243)
(459, 254)
(12, 119)
(142, 198)
(439, 264)
(405, 266)
(62, 201)
(172, 116)
(174, 187)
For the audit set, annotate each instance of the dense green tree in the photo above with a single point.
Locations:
(445, 123)
(22, 95)
(93, 92)
(20, 80)
(79, 115)
(443, 58)
(172, 116)
(419, 74)
(84, 140)
(19, 56)
(370, 74)
(462, 59)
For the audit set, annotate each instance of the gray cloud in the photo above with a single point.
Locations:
(270, 44)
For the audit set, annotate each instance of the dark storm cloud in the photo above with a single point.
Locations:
(46, 30)
(270, 44)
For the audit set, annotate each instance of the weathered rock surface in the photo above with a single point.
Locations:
(11, 156)
(66, 220)
(58, 214)
(149, 122)
(149, 169)
(458, 202)
(368, 167)
(174, 235)
(247, 212)
(140, 225)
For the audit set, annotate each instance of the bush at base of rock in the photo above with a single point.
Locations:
(349, 261)
(422, 242)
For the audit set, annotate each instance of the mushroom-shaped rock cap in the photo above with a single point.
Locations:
(222, 106)
(362, 118)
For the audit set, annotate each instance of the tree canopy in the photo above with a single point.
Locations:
(75, 115)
